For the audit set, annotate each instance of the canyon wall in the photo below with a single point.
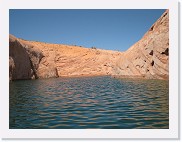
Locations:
(45, 60)
(23, 60)
(19, 61)
(148, 58)
(67, 60)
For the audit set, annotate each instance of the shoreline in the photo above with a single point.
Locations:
(101, 75)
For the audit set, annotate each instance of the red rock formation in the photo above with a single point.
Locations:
(149, 57)
(23, 60)
(66, 60)
(19, 62)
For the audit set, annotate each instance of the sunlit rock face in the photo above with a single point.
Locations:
(45, 60)
(67, 60)
(149, 57)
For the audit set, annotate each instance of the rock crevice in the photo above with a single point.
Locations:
(151, 53)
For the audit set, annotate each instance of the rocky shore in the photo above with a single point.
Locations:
(148, 58)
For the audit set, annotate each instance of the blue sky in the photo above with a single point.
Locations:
(105, 29)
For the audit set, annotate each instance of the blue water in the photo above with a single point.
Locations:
(89, 102)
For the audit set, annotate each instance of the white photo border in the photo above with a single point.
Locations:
(171, 133)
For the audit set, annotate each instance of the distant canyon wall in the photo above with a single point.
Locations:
(45, 60)
(148, 58)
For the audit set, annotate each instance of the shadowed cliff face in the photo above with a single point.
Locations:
(147, 58)
(23, 60)
(19, 62)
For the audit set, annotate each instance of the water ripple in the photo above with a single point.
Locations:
(89, 102)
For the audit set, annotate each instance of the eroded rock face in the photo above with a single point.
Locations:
(149, 57)
(23, 60)
(35, 56)
(65, 60)
(19, 62)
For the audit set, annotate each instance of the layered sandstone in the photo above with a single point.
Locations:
(66, 60)
(147, 58)
(19, 62)
(24, 59)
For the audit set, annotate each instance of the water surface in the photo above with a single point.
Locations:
(89, 102)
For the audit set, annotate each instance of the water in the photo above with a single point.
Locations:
(89, 102)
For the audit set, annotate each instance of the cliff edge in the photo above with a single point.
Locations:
(148, 58)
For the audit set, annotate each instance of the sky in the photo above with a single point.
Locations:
(116, 29)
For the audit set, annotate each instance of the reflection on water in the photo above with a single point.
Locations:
(89, 102)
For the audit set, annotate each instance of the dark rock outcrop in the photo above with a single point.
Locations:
(23, 60)
(19, 62)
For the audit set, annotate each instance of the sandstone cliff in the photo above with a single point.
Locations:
(43, 60)
(67, 60)
(19, 62)
(147, 58)
(23, 60)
